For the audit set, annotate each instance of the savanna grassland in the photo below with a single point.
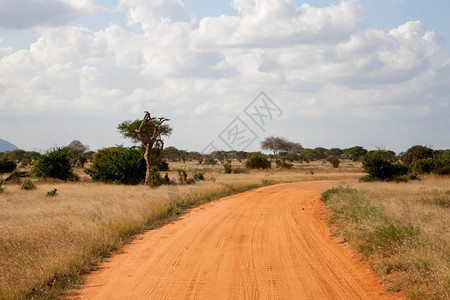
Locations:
(47, 241)
(400, 229)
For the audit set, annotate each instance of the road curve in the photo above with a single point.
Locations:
(267, 243)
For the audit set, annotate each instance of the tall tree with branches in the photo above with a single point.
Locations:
(149, 132)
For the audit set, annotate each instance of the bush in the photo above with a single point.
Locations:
(334, 161)
(155, 178)
(28, 185)
(198, 175)
(163, 165)
(380, 167)
(118, 164)
(257, 160)
(416, 153)
(54, 164)
(7, 166)
(227, 167)
(282, 164)
(209, 161)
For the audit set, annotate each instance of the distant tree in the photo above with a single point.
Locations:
(320, 152)
(76, 152)
(276, 144)
(77, 145)
(335, 152)
(334, 161)
(149, 132)
(415, 153)
(355, 153)
(257, 160)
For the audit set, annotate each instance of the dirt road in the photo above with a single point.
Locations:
(268, 243)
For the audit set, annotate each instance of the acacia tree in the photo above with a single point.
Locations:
(278, 143)
(149, 132)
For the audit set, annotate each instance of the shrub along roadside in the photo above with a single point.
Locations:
(115, 234)
(401, 255)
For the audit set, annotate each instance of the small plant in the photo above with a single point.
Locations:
(155, 179)
(198, 175)
(282, 164)
(257, 160)
(183, 177)
(334, 161)
(52, 193)
(227, 167)
(28, 185)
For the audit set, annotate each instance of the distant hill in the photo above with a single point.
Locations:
(7, 146)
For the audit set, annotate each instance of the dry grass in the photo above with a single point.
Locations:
(403, 230)
(45, 242)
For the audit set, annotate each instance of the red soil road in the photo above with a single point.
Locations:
(268, 243)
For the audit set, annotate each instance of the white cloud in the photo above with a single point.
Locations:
(21, 14)
(317, 63)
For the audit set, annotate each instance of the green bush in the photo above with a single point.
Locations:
(416, 153)
(118, 164)
(28, 185)
(334, 161)
(7, 166)
(163, 165)
(257, 160)
(155, 178)
(227, 167)
(54, 164)
(379, 166)
(282, 164)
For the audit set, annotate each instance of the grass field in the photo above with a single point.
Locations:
(400, 229)
(47, 241)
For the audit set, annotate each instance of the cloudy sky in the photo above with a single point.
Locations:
(334, 73)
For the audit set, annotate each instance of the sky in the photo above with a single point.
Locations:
(227, 74)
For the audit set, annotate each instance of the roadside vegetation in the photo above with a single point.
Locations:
(400, 229)
(62, 211)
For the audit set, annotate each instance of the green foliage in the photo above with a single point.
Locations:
(209, 161)
(118, 164)
(155, 178)
(227, 166)
(257, 160)
(198, 175)
(388, 238)
(7, 166)
(355, 153)
(183, 177)
(54, 164)
(52, 193)
(163, 165)
(128, 129)
(334, 161)
(416, 153)
(282, 164)
(28, 185)
(379, 165)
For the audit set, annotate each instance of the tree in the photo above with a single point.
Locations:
(6, 166)
(54, 164)
(76, 153)
(380, 165)
(275, 144)
(118, 164)
(257, 160)
(415, 153)
(355, 153)
(149, 132)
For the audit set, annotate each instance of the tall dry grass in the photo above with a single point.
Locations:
(403, 231)
(46, 242)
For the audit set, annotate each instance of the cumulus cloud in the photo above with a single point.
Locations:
(22, 14)
(316, 62)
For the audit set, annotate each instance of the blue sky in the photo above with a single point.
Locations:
(342, 73)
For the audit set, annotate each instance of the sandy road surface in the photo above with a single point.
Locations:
(268, 243)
